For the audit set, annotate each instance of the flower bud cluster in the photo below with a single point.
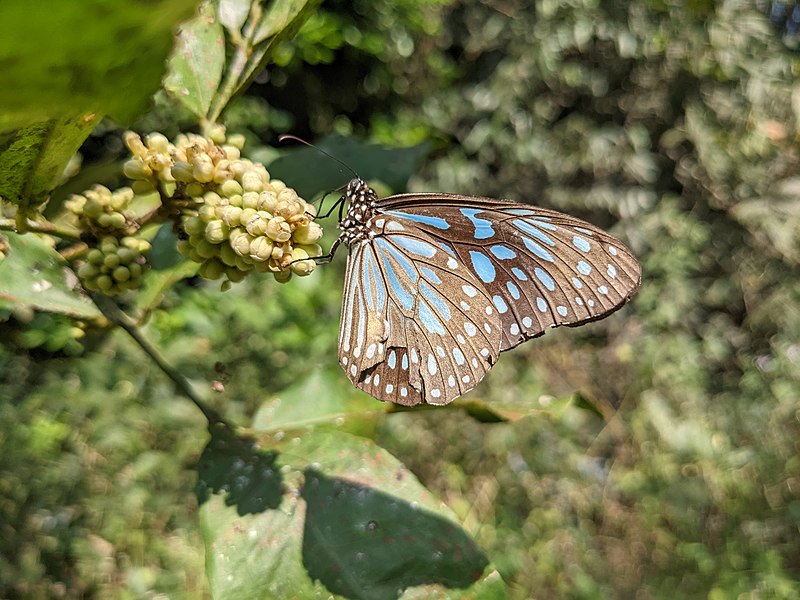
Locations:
(239, 219)
(114, 266)
(102, 211)
(254, 224)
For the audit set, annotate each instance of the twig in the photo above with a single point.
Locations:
(113, 313)
(67, 233)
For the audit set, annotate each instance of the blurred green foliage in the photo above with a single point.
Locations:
(674, 124)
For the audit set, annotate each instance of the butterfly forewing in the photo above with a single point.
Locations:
(541, 268)
(437, 285)
(416, 326)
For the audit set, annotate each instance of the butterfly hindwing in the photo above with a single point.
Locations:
(416, 326)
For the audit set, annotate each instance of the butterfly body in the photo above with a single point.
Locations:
(437, 285)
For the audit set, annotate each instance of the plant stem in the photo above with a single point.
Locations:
(114, 314)
(67, 233)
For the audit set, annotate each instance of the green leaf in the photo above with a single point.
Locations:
(195, 69)
(33, 158)
(351, 520)
(35, 275)
(325, 398)
(309, 171)
(283, 17)
(62, 59)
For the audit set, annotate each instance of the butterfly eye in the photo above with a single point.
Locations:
(437, 285)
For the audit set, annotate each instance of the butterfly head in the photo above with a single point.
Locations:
(361, 200)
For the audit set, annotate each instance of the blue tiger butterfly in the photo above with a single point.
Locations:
(437, 285)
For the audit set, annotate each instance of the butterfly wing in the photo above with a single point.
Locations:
(540, 268)
(416, 326)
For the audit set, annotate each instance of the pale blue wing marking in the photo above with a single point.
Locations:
(435, 299)
(429, 320)
(430, 275)
(500, 304)
(541, 304)
(401, 294)
(547, 226)
(531, 230)
(584, 268)
(503, 252)
(447, 248)
(545, 278)
(519, 273)
(513, 290)
(580, 243)
(483, 266)
(414, 245)
(483, 227)
(537, 249)
(562, 310)
(436, 222)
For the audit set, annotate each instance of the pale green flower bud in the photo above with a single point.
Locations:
(258, 224)
(230, 188)
(104, 283)
(279, 230)
(212, 198)
(211, 269)
(194, 189)
(227, 255)
(136, 270)
(205, 248)
(143, 186)
(231, 215)
(217, 134)
(302, 267)
(251, 182)
(277, 186)
(235, 275)
(134, 143)
(95, 256)
(104, 220)
(217, 231)
(111, 261)
(236, 140)
(282, 276)
(261, 249)
(222, 171)
(203, 170)
(267, 201)
(121, 197)
(135, 168)
(309, 234)
(250, 200)
(157, 142)
(121, 274)
(240, 242)
(88, 271)
(244, 263)
(247, 214)
(116, 220)
(108, 244)
(182, 171)
(313, 250)
(127, 255)
(207, 213)
(193, 225)
(231, 152)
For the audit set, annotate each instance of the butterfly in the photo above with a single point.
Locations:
(438, 285)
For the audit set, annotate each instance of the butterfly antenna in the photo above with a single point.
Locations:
(310, 145)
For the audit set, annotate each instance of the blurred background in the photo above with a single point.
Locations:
(663, 460)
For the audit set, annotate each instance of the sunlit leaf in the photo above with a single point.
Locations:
(352, 521)
(195, 69)
(35, 275)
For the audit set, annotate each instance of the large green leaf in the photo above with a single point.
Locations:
(73, 58)
(310, 172)
(329, 512)
(195, 69)
(33, 158)
(35, 275)
(326, 398)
